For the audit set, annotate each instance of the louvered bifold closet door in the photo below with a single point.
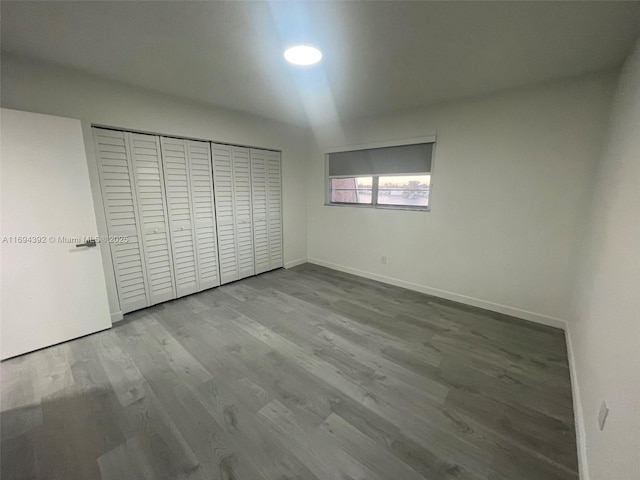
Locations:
(154, 224)
(181, 225)
(204, 213)
(225, 211)
(243, 209)
(260, 213)
(274, 209)
(121, 211)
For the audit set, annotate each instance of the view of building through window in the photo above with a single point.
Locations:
(404, 190)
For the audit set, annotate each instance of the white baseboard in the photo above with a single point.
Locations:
(295, 263)
(577, 410)
(456, 297)
(116, 317)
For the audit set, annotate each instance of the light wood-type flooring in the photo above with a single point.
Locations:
(305, 373)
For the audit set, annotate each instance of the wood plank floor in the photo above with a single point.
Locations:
(305, 373)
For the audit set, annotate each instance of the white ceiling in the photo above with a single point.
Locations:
(379, 57)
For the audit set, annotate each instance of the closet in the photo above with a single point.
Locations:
(154, 222)
(121, 212)
(232, 181)
(267, 215)
(190, 206)
(195, 214)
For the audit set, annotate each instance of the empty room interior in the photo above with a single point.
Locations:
(320, 240)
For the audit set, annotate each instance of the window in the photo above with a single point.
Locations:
(386, 177)
(405, 190)
(351, 190)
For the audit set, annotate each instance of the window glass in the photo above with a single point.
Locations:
(404, 190)
(351, 190)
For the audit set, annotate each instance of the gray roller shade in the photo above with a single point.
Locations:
(403, 159)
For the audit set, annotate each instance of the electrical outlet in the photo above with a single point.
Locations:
(602, 415)
(383, 260)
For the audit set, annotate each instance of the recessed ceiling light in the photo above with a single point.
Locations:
(303, 55)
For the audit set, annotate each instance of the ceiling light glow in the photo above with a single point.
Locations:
(303, 55)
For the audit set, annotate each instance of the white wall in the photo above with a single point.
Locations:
(605, 330)
(34, 87)
(509, 198)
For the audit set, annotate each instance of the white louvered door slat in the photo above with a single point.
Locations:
(204, 216)
(260, 213)
(178, 190)
(243, 211)
(149, 182)
(225, 212)
(274, 207)
(121, 212)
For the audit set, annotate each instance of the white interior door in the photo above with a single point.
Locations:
(274, 195)
(178, 187)
(204, 213)
(154, 222)
(243, 210)
(225, 212)
(121, 212)
(51, 290)
(260, 214)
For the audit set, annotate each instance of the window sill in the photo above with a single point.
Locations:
(379, 207)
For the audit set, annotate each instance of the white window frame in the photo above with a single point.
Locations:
(374, 186)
